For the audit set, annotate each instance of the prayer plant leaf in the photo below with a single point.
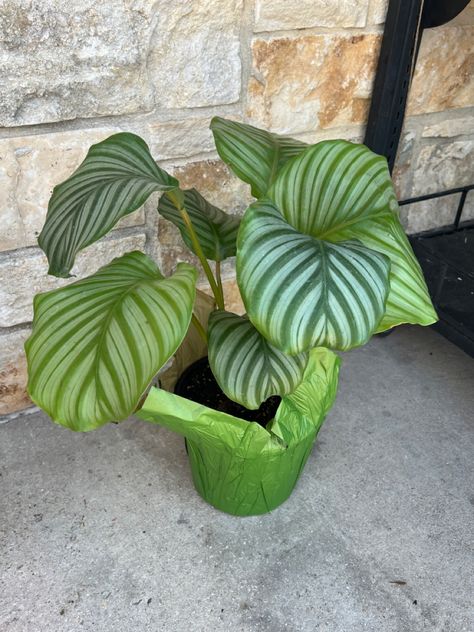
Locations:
(301, 292)
(246, 366)
(338, 191)
(254, 155)
(216, 230)
(97, 343)
(116, 177)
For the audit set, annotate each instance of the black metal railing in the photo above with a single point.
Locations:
(431, 196)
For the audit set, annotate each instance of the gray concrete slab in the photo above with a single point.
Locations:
(104, 532)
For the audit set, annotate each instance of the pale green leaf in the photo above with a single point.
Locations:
(97, 343)
(246, 366)
(301, 292)
(338, 191)
(215, 229)
(254, 155)
(116, 178)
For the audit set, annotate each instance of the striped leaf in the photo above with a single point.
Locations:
(116, 178)
(254, 155)
(97, 343)
(246, 366)
(339, 191)
(216, 230)
(301, 292)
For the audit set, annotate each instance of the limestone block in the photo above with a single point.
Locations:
(429, 214)
(13, 372)
(302, 83)
(30, 166)
(377, 11)
(441, 166)
(22, 275)
(468, 211)
(63, 60)
(180, 138)
(450, 127)
(214, 180)
(402, 174)
(272, 15)
(444, 76)
(194, 57)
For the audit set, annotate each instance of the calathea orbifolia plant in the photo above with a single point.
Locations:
(322, 261)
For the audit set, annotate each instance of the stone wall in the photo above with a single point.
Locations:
(73, 73)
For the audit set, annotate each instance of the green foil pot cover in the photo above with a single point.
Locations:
(238, 466)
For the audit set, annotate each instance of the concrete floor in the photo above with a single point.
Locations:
(103, 532)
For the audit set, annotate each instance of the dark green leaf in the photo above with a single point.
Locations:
(116, 178)
(254, 155)
(216, 230)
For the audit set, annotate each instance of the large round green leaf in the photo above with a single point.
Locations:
(338, 191)
(97, 343)
(215, 229)
(116, 178)
(301, 292)
(253, 154)
(246, 366)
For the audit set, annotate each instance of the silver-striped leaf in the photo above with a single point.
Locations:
(116, 177)
(97, 343)
(253, 154)
(215, 229)
(301, 292)
(339, 191)
(246, 366)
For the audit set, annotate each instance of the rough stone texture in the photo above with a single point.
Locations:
(444, 76)
(24, 273)
(377, 11)
(180, 138)
(429, 214)
(443, 166)
(216, 183)
(103, 531)
(30, 166)
(450, 127)
(194, 57)
(302, 83)
(468, 212)
(274, 15)
(403, 171)
(352, 133)
(13, 375)
(62, 60)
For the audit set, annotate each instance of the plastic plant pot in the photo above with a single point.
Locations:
(238, 466)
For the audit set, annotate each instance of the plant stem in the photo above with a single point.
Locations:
(177, 197)
(219, 280)
(200, 329)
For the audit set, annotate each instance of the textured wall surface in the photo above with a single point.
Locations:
(73, 73)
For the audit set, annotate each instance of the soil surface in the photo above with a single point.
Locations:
(199, 385)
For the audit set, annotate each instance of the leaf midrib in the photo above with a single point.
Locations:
(340, 227)
(106, 323)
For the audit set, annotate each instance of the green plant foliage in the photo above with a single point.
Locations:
(338, 191)
(97, 343)
(116, 178)
(312, 259)
(301, 292)
(216, 230)
(246, 366)
(254, 155)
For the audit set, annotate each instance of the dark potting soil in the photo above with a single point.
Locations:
(199, 385)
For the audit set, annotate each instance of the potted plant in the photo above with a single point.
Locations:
(322, 264)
